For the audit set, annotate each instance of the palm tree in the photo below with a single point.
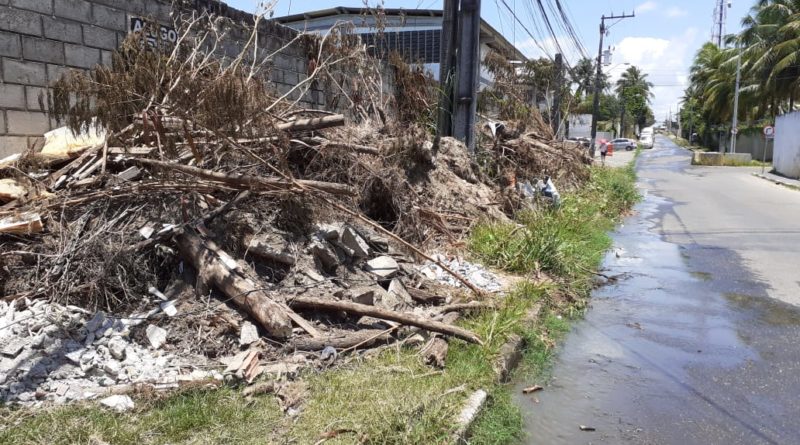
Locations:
(635, 93)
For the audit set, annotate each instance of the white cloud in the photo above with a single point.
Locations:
(646, 6)
(675, 11)
(665, 61)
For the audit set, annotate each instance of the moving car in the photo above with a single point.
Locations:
(627, 144)
(646, 140)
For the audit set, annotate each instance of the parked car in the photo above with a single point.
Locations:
(627, 144)
(646, 140)
(583, 141)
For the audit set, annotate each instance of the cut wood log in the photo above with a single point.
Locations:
(269, 314)
(22, 224)
(11, 189)
(434, 352)
(362, 338)
(251, 182)
(316, 123)
(409, 319)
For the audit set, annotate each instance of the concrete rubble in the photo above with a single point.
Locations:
(476, 274)
(55, 354)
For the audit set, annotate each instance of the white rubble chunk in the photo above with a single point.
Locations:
(248, 334)
(119, 403)
(352, 240)
(169, 308)
(156, 336)
(116, 347)
(383, 266)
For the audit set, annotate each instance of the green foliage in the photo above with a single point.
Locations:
(565, 241)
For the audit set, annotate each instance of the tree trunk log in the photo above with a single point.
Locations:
(363, 338)
(315, 123)
(241, 291)
(383, 314)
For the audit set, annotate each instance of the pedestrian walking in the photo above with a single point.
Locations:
(603, 151)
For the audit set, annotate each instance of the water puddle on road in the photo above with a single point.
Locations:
(645, 365)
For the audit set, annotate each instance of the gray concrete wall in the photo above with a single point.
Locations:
(752, 144)
(787, 145)
(40, 39)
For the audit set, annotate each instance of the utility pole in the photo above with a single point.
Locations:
(596, 101)
(622, 113)
(447, 65)
(559, 80)
(469, 60)
(460, 53)
(734, 123)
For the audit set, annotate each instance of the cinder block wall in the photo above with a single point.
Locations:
(40, 39)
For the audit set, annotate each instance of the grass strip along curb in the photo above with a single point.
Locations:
(392, 397)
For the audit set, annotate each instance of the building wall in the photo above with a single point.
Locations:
(786, 159)
(41, 39)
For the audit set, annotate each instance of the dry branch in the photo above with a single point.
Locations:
(316, 123)
(315, 303)
(250, 182)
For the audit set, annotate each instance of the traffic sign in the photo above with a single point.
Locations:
(769, 132)
(734, 130)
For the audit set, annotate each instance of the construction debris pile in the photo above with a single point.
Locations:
(191, 217)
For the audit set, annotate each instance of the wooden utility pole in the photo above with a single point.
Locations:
(458, 108)
(598, 78)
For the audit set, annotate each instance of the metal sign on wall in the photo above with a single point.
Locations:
(155, 32)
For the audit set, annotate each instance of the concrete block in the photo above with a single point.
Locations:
(60, 29)
(43, 6)
(10, 145)
(32, 98)
(27, 123)
(12, 96)
(27, 73)
(110, 18)
(2, 124)
(20, 21)
(42, 50)
(80, 10)
(9, 45)
(132, 6)
(105, 58)
(54, 72)
(81, 56)
(98, 37)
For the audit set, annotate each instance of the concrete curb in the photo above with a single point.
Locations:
(510, 356)
(776, 181)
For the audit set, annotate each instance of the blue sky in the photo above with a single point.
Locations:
(661, 39)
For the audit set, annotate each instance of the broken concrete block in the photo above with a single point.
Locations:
(112, 368)
(325, 255)
(383, 266)
(116, 347)
(96, 321)
(398, 289)
(169, 308)
(353, 241)
(271, 250)
(329, 232)
(119, 403)
(363, 295)
(248, 334)
(12, 347)
(156, 336)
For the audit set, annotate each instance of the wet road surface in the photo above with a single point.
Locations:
(697, 343)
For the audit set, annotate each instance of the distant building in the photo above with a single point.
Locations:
(414, 33)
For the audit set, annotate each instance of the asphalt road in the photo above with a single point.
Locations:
(697, 342)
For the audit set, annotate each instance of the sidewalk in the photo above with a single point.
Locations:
(780, 180)
(618, 159)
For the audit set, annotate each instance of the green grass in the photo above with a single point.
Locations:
(392, 398)
(564, 242)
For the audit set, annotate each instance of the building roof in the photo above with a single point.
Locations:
(489, 35)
